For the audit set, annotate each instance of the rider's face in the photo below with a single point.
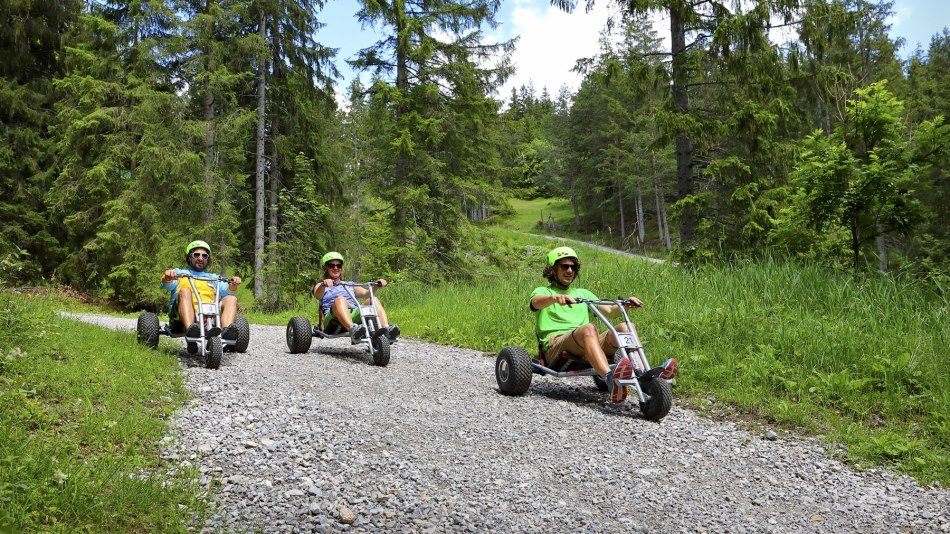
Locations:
(334, 270)
(198, 258)
(566, 270)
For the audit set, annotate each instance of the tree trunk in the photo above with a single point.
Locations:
(209, 159)
(663, 225)
(401, 169)
(623, 221)
(272, 224)
(855, 244)
(641, 231)
(259, 182)
(881, 249)
(684, 147)
(577, 215)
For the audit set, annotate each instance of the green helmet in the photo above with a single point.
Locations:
(560, 252)
(331, 256)
(197, 244)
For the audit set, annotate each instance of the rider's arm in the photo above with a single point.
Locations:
(543, 301)
(169, 283)
(614, 311)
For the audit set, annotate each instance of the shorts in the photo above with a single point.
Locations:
(205, 289)
(557, 342)
(332, 326)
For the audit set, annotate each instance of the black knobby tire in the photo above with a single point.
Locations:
(513, 371)
(214, 353)
(381, 351)
(243, 337)
(147, 329)
(299, 335)
(661, 399)
(600, 382)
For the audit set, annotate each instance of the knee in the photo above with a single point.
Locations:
(229, 301)
(588, 331)
(622, 327)
(340, 301)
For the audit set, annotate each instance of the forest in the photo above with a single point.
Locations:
(131, 127)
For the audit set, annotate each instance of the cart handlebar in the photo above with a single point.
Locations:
(206, 278)
(620, 301)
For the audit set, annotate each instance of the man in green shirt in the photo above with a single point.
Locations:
(566, 329)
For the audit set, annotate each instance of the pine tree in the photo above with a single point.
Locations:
(31, 46)
(427, 162)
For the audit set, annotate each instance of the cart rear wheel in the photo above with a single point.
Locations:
(299, 335)
(513, 371)
(214, 353)
(381, 351)
(243, 338)
(147, 329)
(661, 399)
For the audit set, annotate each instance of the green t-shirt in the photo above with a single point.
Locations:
(557, 318)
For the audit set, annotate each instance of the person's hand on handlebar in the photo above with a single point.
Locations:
(382, 282)
(233, 283)
(632, 302)
(562, 299)
(169, 275)
(327, 282)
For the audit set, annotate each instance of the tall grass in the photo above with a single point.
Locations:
(862, 362)
(81, 413)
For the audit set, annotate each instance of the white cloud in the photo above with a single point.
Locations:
(550, 43)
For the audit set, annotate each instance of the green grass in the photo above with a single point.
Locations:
(528, 214)
(863, 363)
(82, 410)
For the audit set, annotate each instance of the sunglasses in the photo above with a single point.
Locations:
(567, 266)
(334, 266)
(200, 255)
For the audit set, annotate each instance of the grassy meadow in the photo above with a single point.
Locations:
(82, 410)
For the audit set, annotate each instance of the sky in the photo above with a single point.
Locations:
(551, 41)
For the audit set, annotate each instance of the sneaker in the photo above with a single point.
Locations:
(670, 367)
(357, 331)
(392, 332)
(230, 333)
(193, 331)
(213, 331)
(623, 371)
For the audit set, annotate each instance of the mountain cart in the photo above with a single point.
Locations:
(209, 344)
(300, 333)
(514, 367)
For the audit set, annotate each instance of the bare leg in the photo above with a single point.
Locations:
(608, 344)
(186, 308)
(341, 312)
(228, 310)
(380, 313)
(585, 340)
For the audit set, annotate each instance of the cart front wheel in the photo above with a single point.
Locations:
(381, 351)
(660, 401)
(214, 353)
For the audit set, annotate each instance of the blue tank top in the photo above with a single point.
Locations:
(331, 293)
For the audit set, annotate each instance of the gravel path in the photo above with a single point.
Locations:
(599, 247)
(324, 441)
